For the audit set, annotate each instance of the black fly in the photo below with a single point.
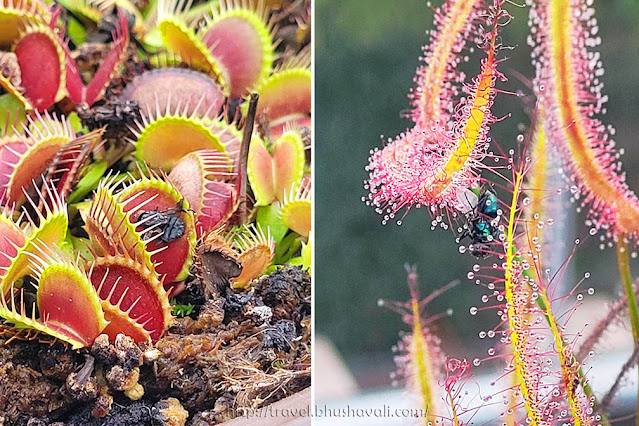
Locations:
(165, 223)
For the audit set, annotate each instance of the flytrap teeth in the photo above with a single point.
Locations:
(64, 168)
(11, 79)
(133, 297)
(168, 86)
(296, 209)
(235, 45)
(42, 60)
(204, 179)
(66, 300)
(48, 229)
(168, 133)
(104, 7)
(273, 174)
(240, 39)
(109, 226)
(164, 221)
(285, 97)
(14, 13)
(255, 252)
(181, 40)
(44, 136)
(89, 94)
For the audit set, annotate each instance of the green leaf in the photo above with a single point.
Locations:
(11, 108)
(307, 253)
(286, 249)
(75, 122)
(90, 179)
(180, 311)
(268, 217)
(76, 32)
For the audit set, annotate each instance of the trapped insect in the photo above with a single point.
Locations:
(482, 216)
(166, 223)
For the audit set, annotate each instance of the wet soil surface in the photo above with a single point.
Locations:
(238, 350)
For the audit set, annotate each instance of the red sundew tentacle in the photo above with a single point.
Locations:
(420, 356)
(438, 82)
(567, 83)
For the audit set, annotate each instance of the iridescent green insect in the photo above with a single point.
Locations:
(482, 221)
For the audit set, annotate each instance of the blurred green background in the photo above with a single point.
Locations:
(366, 55)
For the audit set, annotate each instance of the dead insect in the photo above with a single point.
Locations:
(167, 224)
(117, 116)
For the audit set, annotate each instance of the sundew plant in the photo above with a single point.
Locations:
(500, 208)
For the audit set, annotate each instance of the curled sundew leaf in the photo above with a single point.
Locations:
(66, 300)
(239, 38)
(438, 82)
(429, 165)
(50, 231)
(167, 134)
(296, 209)
(202, 177)
(566, 69)
(149, 202)
(273, 174)
(44, 137)
(133, 297)
(285, 96)
(42, 65)
(89, 94)
(255, 253)
(13, 14)
(180, 39)
(153, 88)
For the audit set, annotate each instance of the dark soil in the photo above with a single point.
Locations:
(239, 350)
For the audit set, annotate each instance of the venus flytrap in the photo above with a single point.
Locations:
(97, 237)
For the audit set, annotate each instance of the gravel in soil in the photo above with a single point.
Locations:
(237, 351)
